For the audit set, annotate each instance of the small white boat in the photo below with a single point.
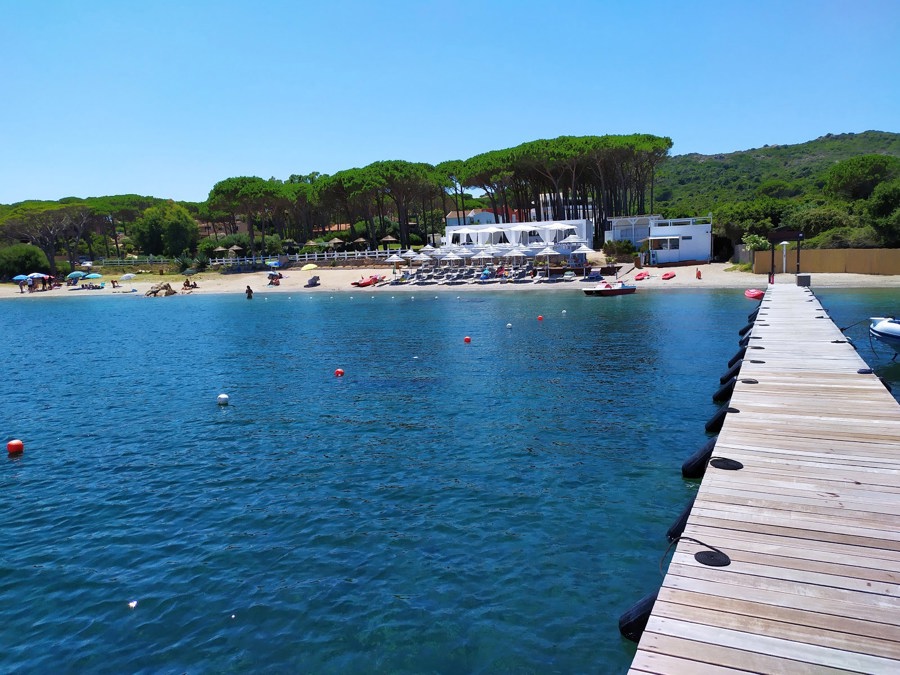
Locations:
(606, 290)
(886, 330)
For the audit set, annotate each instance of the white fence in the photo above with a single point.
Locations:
(303, 258)
(318, 257)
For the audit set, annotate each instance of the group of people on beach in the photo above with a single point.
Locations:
(47, 284)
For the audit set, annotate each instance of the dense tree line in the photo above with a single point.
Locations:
(602, 176)
(839, 197)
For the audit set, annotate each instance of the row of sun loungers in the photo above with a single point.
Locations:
(472, 275)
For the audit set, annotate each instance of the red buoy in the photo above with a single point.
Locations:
(540, 317)
(467, 339)
(15, 447)
(339, 372)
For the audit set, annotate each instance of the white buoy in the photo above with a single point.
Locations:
(509, 325)
(564, 311)
(222, 399)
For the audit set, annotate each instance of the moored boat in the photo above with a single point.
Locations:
(605, 290)
(886, 330)
(754, 294)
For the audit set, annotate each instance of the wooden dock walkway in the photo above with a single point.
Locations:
(811, 523)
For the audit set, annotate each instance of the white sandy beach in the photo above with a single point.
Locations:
(339, 280)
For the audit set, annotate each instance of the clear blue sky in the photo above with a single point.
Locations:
(167, 97)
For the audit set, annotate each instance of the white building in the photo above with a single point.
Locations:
(670, 241)
(470, 217)
(566, 235)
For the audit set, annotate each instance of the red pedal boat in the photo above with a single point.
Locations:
(754, 293)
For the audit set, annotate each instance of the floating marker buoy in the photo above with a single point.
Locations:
(15, 447)
(339, 372)
(540, 317)
(509, 325)
(222, 399)
(467, 339)
(564, 311)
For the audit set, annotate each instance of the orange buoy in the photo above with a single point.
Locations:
(339, 372)
(467, 339)
(15, 447)
(540, 317)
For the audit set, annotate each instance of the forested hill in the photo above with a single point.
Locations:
(688, 185)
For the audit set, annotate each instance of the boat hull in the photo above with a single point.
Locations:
(887, 331)
(609, 292)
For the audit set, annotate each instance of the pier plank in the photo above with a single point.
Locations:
(810, 523)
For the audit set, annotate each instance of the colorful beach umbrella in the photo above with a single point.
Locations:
(77, 274)
(93, 275)
(20, 277)
(130, 276)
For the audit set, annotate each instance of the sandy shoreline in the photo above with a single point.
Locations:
(339, 280)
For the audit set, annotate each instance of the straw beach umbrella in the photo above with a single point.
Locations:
(394, 260)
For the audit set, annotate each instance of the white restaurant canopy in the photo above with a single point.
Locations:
(523, 234)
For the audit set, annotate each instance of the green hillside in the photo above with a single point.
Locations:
(690, 185)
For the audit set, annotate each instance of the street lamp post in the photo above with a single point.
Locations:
(784, 246)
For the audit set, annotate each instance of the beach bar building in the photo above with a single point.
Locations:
(669, 242)
(562, 234)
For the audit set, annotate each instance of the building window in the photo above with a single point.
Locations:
(690, 236)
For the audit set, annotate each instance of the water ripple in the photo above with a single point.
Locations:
(442, 508)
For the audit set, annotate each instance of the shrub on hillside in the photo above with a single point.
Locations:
(22, 259)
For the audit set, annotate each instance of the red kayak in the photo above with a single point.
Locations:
(640, 276)
(369, 281)
(668, 275)
(754, 293)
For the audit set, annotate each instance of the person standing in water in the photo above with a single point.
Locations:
(249, 293)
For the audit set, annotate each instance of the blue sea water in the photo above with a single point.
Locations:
(442, 508)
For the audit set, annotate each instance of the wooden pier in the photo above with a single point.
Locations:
(811, 523)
